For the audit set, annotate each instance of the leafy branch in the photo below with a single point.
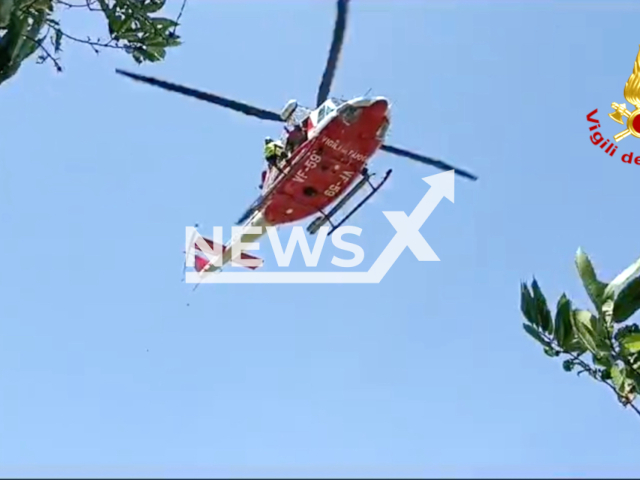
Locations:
(132, 26)
(600, 344)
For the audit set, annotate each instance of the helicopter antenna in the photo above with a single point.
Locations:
(368, 92)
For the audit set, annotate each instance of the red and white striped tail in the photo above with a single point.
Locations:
(202, 262)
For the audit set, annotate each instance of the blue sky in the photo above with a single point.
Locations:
(104, 370)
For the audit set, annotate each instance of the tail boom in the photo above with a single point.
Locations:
(232, 250)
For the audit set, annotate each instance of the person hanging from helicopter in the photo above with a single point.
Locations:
(274, 151)
(274, 154)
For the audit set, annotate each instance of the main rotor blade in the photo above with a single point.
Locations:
(207, 97)
(334, 52)
(429, 161)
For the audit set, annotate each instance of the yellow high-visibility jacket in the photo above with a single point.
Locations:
(273, 148)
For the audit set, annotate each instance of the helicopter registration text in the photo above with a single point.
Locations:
(309, 164)
(350, 154)
(348, 157)
(335, 189)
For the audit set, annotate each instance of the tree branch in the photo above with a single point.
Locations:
(591, 371)
(47, 54)
(88, 41)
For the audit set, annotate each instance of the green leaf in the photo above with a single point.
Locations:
(527, 305)
(116, 22)
(617, 377)
(11, 42)
(618, 282)
(602, 360)
(577, 347)
(627, 301)
(158, 53)
(6, 7)
(563, 327)
(164, 23)
(544, 315)
(29, 47)
(6, 72)
(550, 352)
(122, 24)
(603, 329)
(147, 54)
(137, 56)
(584, 325)
(39, 5)
(635, 361)
(156, 41)
(631, 342)
(607, 313)
(104, 6)
(536, 335)
(152, 6)
(132, 36)
(633, 378)
(594, 287)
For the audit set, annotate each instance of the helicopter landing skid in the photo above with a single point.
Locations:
(325, 218)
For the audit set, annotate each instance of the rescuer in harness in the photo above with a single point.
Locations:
(274, 153)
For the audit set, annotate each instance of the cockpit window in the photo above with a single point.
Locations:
(322, 114)
(326, 109)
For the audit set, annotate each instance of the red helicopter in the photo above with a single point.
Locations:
(327, 150)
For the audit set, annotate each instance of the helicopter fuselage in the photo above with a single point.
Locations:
(341, 140)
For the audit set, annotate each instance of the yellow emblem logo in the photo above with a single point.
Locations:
(632, 95)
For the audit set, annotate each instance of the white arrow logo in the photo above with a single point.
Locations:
(407, 235)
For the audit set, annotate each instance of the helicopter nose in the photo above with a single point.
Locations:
(380, 106)
(383, 102)
(369, 110)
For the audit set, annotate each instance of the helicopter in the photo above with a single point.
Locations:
(322, 169)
